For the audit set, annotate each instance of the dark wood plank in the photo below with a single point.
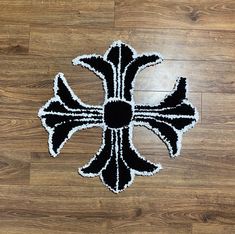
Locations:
(59, 12)
(172, 43)
(212, 14)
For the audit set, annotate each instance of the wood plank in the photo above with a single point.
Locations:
(207, 137)
(49, 208)
(203, 76)
(195, 169)
(213, 228)
(8, 228)
(88, 13)
(36, 138)
(208, 159)
(26, 124)
(186, 44)
(18, 103)
(212, 14)
(72, 41)
(203, 137)
(38, 198)
(25, 227)
(171, 43)
(24, 103)
(218, 108)
(14, 168)
(15, 11)
(14, 39)
(38, 73)
(22, 97)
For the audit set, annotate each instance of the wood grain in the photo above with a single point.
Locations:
(58, 12)
(14, 39)
(14, 168)
(186, 44)
(212, 14)
(172, 43)
(36, 73)
(200, 228)
(140, 212)
(17, 104)
(194, 194)
(187, 172)
(219, 108)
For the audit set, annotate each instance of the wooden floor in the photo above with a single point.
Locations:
(195, 193)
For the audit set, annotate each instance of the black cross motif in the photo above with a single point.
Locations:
(117, 161)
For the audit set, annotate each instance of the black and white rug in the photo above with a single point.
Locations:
(117, 161)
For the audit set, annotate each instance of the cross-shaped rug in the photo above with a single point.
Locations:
(117, 161)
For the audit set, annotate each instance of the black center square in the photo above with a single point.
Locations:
(117, 113)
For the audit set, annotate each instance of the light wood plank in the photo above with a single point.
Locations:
(88, 13)
(218, 158)
(206, 137)
(15, 11)
(34, 72)
(14, 39)
(14, 168)
(15, 102)
(218, 108)
(186, 44)
(72, 41)
(137, 209)
(197, 14)
(193, 169)
(171, 43)
(213, 228)
(26, 227)
(202, 76)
